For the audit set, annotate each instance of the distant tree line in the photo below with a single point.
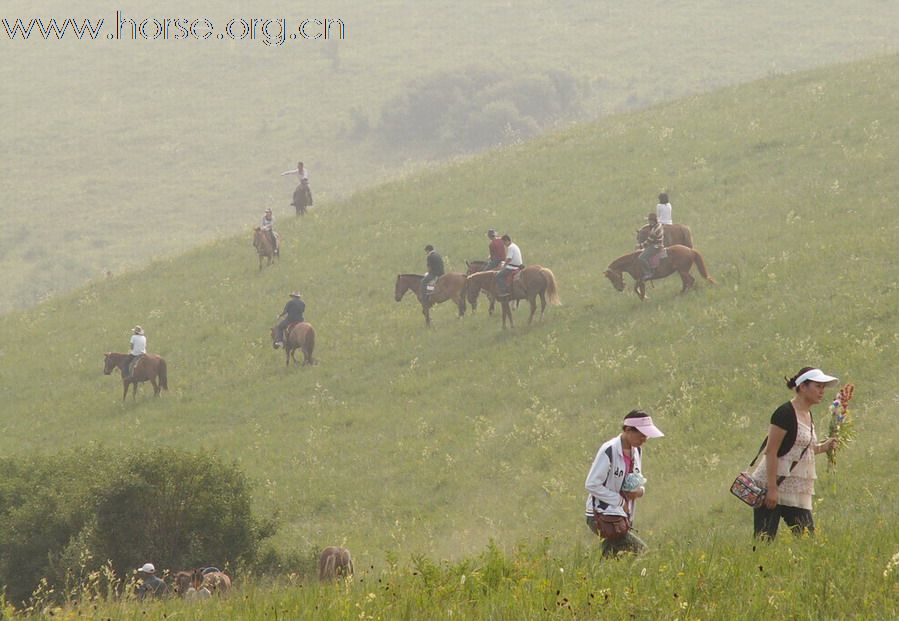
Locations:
(64, 516)
(473, 108)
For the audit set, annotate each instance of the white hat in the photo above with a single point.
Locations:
(138, 330)
(147, 569)
(644, 425)
(815, 375)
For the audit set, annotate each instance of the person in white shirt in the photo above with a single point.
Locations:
(268, 227)
(507, 268)
(663, 209)
(606, 482)
(302, 191)
(138, 348)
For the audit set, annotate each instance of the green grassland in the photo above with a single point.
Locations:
(405, 441)
(118, 152)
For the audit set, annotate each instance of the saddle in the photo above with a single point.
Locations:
(290, 327)
(133, 365)
(656, 259)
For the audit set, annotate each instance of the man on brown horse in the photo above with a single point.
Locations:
(435, 271)
(268, 227)
(512, 263)
(497, 251)
(138, 348)
(653, 245)
(292, 313)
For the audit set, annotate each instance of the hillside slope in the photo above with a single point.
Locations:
(119, 152)
(438, 440)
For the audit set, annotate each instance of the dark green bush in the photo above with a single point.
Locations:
(65, 515)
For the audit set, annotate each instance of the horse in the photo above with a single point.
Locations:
(674, 234)
(302, 198)
(297, 336)
(680, 259)
(263, 245)
(474, 267)
(334, 562)
(530, 282)
(149, 367)
(450, 286)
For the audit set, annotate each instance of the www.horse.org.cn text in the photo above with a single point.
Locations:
(269, 31)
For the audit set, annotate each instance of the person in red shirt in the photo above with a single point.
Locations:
(497, 251)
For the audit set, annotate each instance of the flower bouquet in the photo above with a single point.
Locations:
(841, 424)
(632, 482)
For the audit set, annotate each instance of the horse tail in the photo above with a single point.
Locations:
(163, 375)
(310, 341)
(688, 236)
(700, 265)
(552, 292)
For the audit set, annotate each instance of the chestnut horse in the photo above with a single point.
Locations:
(263, 245)
(680, 259)
(532, 281)
(149, 367)
(674, 234)
(334, 562)
(473, 268)
(450, 286)
(297, 336)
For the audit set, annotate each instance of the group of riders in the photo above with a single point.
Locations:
(505, 255)
(505, 259)
(302, 196)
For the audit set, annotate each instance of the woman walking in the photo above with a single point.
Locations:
(788, 469)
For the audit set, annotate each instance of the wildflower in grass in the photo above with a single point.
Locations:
(841, 424)
(893, 564)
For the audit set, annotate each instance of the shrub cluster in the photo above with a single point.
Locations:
(64, 516)
(473, 108)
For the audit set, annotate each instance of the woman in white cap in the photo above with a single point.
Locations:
(608, 494)
(788, 469)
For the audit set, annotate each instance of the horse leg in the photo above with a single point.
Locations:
(533, 302)
(156, 387)
(125, 393)
(542, 304)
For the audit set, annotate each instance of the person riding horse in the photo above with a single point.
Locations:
(138, 348)
(511, 264)
(293, 313)
(268, 227)
(497, 251)
(303, 173)
(653, 245)
(435, 271)
(663, 209)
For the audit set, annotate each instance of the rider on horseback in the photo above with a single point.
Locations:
(268, 227)
(653, 245)
(663, 209)
(497, 251)
(138, 349)
(511, 264)
(292, 313)
(303, 174)
(435, 271)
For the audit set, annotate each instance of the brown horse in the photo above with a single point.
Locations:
(264, 247)
(532, 281)
(297, 336)
(674, 234)
(334, 562)
(680, 259)
(473, 268)
(149, 367)
(450, 286)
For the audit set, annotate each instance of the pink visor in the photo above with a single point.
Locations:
(644, 425)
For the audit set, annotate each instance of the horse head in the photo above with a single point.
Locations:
(274, 336)
(108, 364)
(473, 289)
(616, 277)
(400, 289)
(182, 582)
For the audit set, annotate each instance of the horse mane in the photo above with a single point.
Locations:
(620, 261)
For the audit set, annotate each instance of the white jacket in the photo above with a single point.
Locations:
(606, 477)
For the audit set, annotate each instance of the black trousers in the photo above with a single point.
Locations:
(766, 521)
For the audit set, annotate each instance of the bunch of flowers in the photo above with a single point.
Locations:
(841, 424)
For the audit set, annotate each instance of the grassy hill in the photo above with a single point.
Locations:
(405, 439)
(120, 152)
